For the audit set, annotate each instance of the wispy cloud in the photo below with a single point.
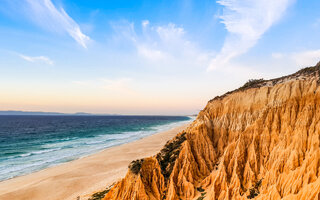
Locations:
(150, 53)
(306, 58)
(43, 59)
(246, 21)
(48, 16)
(296, 60)
(118, 85)
(165, 45)
(277, 55)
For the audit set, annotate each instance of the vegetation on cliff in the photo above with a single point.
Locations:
(169, 154)
(257, 83)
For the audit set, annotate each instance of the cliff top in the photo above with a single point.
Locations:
(257, 83)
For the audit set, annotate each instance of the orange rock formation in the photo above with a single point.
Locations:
(260, 141)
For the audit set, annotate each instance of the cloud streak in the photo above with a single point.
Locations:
(306, 58)
(44, 59)
(162, 45)
(300, 59)
(46, 15)
(119, 85)
(246, 21)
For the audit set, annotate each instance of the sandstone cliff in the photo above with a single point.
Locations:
(260, 141)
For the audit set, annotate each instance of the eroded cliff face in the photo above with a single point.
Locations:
(261, 141)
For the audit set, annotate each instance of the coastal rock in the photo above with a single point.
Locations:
(260, 141)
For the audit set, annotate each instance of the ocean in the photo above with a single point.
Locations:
(31, 143)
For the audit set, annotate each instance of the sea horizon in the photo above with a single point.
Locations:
(47, 113)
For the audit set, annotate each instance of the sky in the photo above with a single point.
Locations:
(147, 57)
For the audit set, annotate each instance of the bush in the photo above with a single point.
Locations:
(135, 166)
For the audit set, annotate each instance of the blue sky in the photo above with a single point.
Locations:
(147, 57)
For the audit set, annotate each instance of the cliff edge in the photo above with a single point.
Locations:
(261, 141)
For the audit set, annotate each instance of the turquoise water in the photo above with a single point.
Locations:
(32, 143)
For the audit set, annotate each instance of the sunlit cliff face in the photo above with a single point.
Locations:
(260, 141)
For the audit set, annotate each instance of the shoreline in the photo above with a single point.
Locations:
(46, 153)
(86, 175)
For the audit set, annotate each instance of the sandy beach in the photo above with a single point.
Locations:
(82, 177)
